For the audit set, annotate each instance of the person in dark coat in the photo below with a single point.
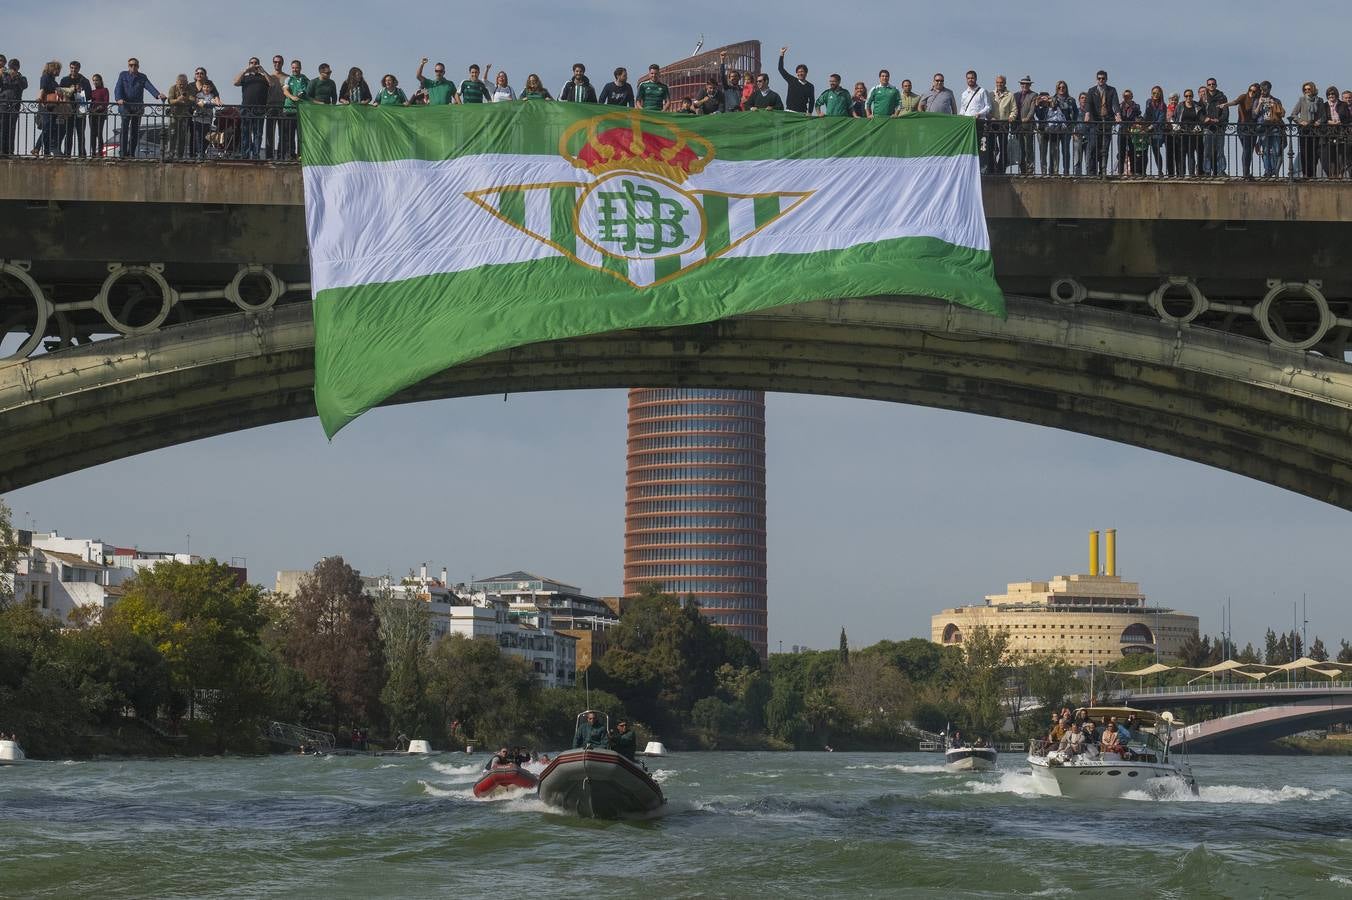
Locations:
(590, 732)
(801, 94)
(623, 740)
(578, 89)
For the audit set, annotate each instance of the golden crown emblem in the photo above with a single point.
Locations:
(626, 140)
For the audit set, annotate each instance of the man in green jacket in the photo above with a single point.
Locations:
(835, 100)
(590, 732)
(623, 740)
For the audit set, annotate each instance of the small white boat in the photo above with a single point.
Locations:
(1145, 764)
(11, 754)
(654, 748)
(969, 759)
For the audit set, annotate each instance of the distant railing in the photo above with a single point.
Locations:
(289, 735)
(1141, 149)
(1239, 687)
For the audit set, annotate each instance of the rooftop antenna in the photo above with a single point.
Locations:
(698, 45)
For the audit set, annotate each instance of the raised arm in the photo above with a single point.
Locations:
(421, 64)
(782, 71)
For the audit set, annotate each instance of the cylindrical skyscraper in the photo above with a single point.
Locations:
(694, 505)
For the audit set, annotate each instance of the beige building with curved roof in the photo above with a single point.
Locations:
(1083, 619)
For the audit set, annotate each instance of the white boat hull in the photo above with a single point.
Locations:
(11, 754)
(1108, 779)
(969, 759)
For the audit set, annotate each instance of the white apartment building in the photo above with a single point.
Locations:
(61, 574)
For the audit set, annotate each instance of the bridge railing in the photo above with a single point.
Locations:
(1240, 687)
(1143, 149)
(214, 132)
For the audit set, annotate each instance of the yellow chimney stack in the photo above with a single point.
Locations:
(1111, 568)
(1093, 552)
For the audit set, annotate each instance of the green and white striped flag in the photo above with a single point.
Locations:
(441, 234)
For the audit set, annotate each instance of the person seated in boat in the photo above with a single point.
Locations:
(590, 732)
(1091, 740)
(520, 756)
(1057, 734)
(502, 758)
(1073, 742)
(1123, 732)
(1110, 743)
(622, 741)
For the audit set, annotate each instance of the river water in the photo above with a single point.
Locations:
(750, 824)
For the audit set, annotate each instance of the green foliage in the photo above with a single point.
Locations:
(9, 555)
(489, 697)
(206, 626)
(664, 657)
(332, 639)
(557, 709)
(405, 629)
(1053, 682)
(40, 688)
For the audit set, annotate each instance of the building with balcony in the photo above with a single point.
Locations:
(1090, 619)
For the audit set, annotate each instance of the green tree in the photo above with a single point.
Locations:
(713, 718)
(488, 695)
(405, 629)
(1345, 652)
(987, 663)
(9, 555)
(1052, 681)
(555, 714)
(874, 695)
(844, 648)
(333, 640)
(206, 626)
(40, 696)
(1318, 651)
(1248, 654)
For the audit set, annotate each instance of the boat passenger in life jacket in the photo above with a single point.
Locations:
(503, 757)
(591, 733)
(622, 741)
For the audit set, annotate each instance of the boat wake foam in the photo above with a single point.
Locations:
(465, 771)
(909, 770)
(1175, 792)
(1020, 783)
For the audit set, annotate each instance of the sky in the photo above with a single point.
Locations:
(879, 514)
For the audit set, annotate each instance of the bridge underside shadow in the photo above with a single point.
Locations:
(1279, 416)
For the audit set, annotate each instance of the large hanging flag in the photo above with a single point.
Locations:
(440, 234)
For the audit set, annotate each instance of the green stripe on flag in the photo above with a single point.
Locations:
(512, 206)
(716, 212)
(766, 209)
(618, 266)
(374, 340)
(332, 135)
(561, 203)
(666, 266)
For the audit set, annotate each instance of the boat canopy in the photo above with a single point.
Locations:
(1147, 718)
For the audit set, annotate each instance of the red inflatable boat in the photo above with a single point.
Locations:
(504, 778)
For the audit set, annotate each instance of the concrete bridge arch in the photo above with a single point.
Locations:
(1278, 415)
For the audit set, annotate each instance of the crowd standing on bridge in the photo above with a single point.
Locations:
(1097, 131)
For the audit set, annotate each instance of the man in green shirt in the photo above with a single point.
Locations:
(321, 88)
(440, 92)
(472, 90)
(294, 89)
(835, 100)
(652, 93)
(884, 100)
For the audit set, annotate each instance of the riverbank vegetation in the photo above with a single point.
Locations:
(192, 660)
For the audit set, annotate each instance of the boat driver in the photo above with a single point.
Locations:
(590, 732)
(622, 741)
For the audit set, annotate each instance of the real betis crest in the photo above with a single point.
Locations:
(635, 216)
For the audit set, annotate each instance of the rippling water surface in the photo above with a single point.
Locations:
(735, 823)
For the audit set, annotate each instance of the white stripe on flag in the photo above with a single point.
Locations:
(642, 272)
(741, 218)
(538, 212)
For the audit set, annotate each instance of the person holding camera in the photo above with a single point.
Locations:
(254, 84)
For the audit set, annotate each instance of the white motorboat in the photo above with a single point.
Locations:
(1146, 763)
(11, 754)
(969, 759)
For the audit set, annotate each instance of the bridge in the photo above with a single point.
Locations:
(1287, 708)
(147, 304)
